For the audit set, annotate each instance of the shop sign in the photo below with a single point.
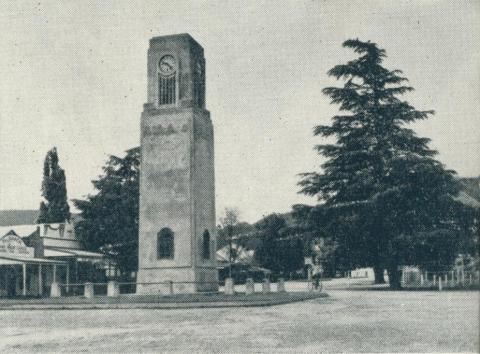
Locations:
(12, 245)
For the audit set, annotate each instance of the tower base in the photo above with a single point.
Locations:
(168, 281)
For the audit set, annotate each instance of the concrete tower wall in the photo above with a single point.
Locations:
(177, 175)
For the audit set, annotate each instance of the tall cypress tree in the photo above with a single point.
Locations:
(54, 208)
(378, 168)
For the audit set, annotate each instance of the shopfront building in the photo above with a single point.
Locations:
(34, 256)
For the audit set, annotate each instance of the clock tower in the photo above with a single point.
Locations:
(177, 239)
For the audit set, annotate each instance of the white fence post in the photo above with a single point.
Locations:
(249, 287)
(88, 291)
(170, 287)
(266, 286)
(55, 290)
(113, 289)
(229, 286)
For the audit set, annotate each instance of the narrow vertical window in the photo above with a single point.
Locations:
(165, 244)
(199, 85)
(167, 80)
(167, 88)
(206, 245)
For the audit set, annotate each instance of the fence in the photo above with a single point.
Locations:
(169, 288)
(441, 280)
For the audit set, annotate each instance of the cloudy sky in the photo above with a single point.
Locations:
(73, 75)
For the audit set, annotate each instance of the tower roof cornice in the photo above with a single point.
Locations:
(174, 37)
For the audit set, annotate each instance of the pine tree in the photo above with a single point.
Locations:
(109, 217)
(54, 208)
(378, 168)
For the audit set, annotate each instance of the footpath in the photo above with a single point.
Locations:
(180, 301)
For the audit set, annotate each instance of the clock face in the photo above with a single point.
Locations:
(167, 64)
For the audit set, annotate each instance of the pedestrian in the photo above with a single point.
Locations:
(316, 276)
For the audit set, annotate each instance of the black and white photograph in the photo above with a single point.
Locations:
(249, 176)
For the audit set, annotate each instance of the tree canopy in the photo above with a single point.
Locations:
(378, 173)
(54, 208)
(281, 249)
(109, 218)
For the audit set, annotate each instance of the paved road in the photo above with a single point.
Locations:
(349, 321)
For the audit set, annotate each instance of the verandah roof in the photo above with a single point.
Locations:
(70, 253)
(11, 260)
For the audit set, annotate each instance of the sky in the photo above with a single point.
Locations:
(73, 75)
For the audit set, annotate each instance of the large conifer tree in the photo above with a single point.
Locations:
(378, 168)
(54, 208)
(109, 217)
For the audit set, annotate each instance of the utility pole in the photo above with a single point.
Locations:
(230, 236)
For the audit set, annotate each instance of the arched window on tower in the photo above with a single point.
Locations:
(165, 244)
(206, 245)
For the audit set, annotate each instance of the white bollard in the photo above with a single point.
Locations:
(249, 287)
(55, 290)
(440, 284)
(281, 285)
(113, 290)
(266, 286)
(169, 287)
(422, 281)
(434, 279)
(229, 286)
(88, 290)
(470, 279)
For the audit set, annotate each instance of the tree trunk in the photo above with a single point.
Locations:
(394, 276)
(378, 271)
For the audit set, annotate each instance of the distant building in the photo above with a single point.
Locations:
(18, 217)
(35, 255)
(469, 191)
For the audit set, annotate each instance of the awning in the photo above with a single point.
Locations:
(10, 261)
(55, 253)
(72, 253)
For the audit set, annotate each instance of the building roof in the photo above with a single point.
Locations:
(470, 191)
(19, 230)
(243, 255)
(18, 217)
(24, 217)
